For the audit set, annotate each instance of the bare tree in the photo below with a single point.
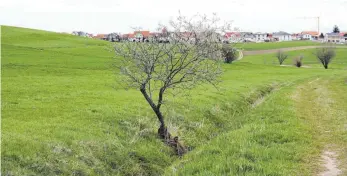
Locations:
(325, 55)
(281, 56)
(192, 57)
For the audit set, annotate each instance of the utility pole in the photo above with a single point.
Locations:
(318, 25)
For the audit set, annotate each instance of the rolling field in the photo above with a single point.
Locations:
(65, 113)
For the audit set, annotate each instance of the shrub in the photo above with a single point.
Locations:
(298, 61)
(281, 56)
(229, 53)
(325, 55)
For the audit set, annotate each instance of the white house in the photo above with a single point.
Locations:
(296, 36)
(345, 37)
(248, 36)
(282, 36)
(334, 37)
(82, 34)
(261, 36)
(309, 35)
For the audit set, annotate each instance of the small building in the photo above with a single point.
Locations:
(261, 36)
(100, 36)
(125, 37)
(161, 37)
(334, 38)
(137, 36)
(185, 36)
(309, 35)
(232, 37)
(81, 34)
(74, 33)
(141, 34)
(282, 36)
(154, 34)
(306, 37)
(270, 37)
(112, 37)
(248, 37)
(296, 36)
(345, 36)
(129, 37)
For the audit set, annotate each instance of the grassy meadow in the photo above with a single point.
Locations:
(275, 45)
(309, 59)
(65, 113)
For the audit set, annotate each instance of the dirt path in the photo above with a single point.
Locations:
(330, 164)
(256, 52)
(318, 103)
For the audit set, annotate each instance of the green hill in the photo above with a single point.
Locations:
(64, 113)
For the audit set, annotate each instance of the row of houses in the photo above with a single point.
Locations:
(340, 37)
(145, 36)
(82, 34)
(256, 37)
(112, 37)
(284, 36)
(233, 37)
(229, 37)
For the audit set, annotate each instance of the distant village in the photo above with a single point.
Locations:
(229, 37)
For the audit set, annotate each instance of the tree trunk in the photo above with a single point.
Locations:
(162, 131)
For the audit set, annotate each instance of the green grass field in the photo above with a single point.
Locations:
(65, 113)
(309, 59)
(274, 45)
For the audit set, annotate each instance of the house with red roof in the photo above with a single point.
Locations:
(270, 36)
(141, 34)
(100, 36)
(186, 36)
(309, 35)
(130, 37)
(155, 34)
(136, 36)
(232, 37)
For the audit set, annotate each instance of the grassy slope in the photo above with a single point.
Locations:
(283, 136)
(63, 111)
(275, 45)
(272, 142)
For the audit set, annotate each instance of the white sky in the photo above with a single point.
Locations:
(104, 16)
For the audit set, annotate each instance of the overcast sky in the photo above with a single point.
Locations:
(104, 16)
